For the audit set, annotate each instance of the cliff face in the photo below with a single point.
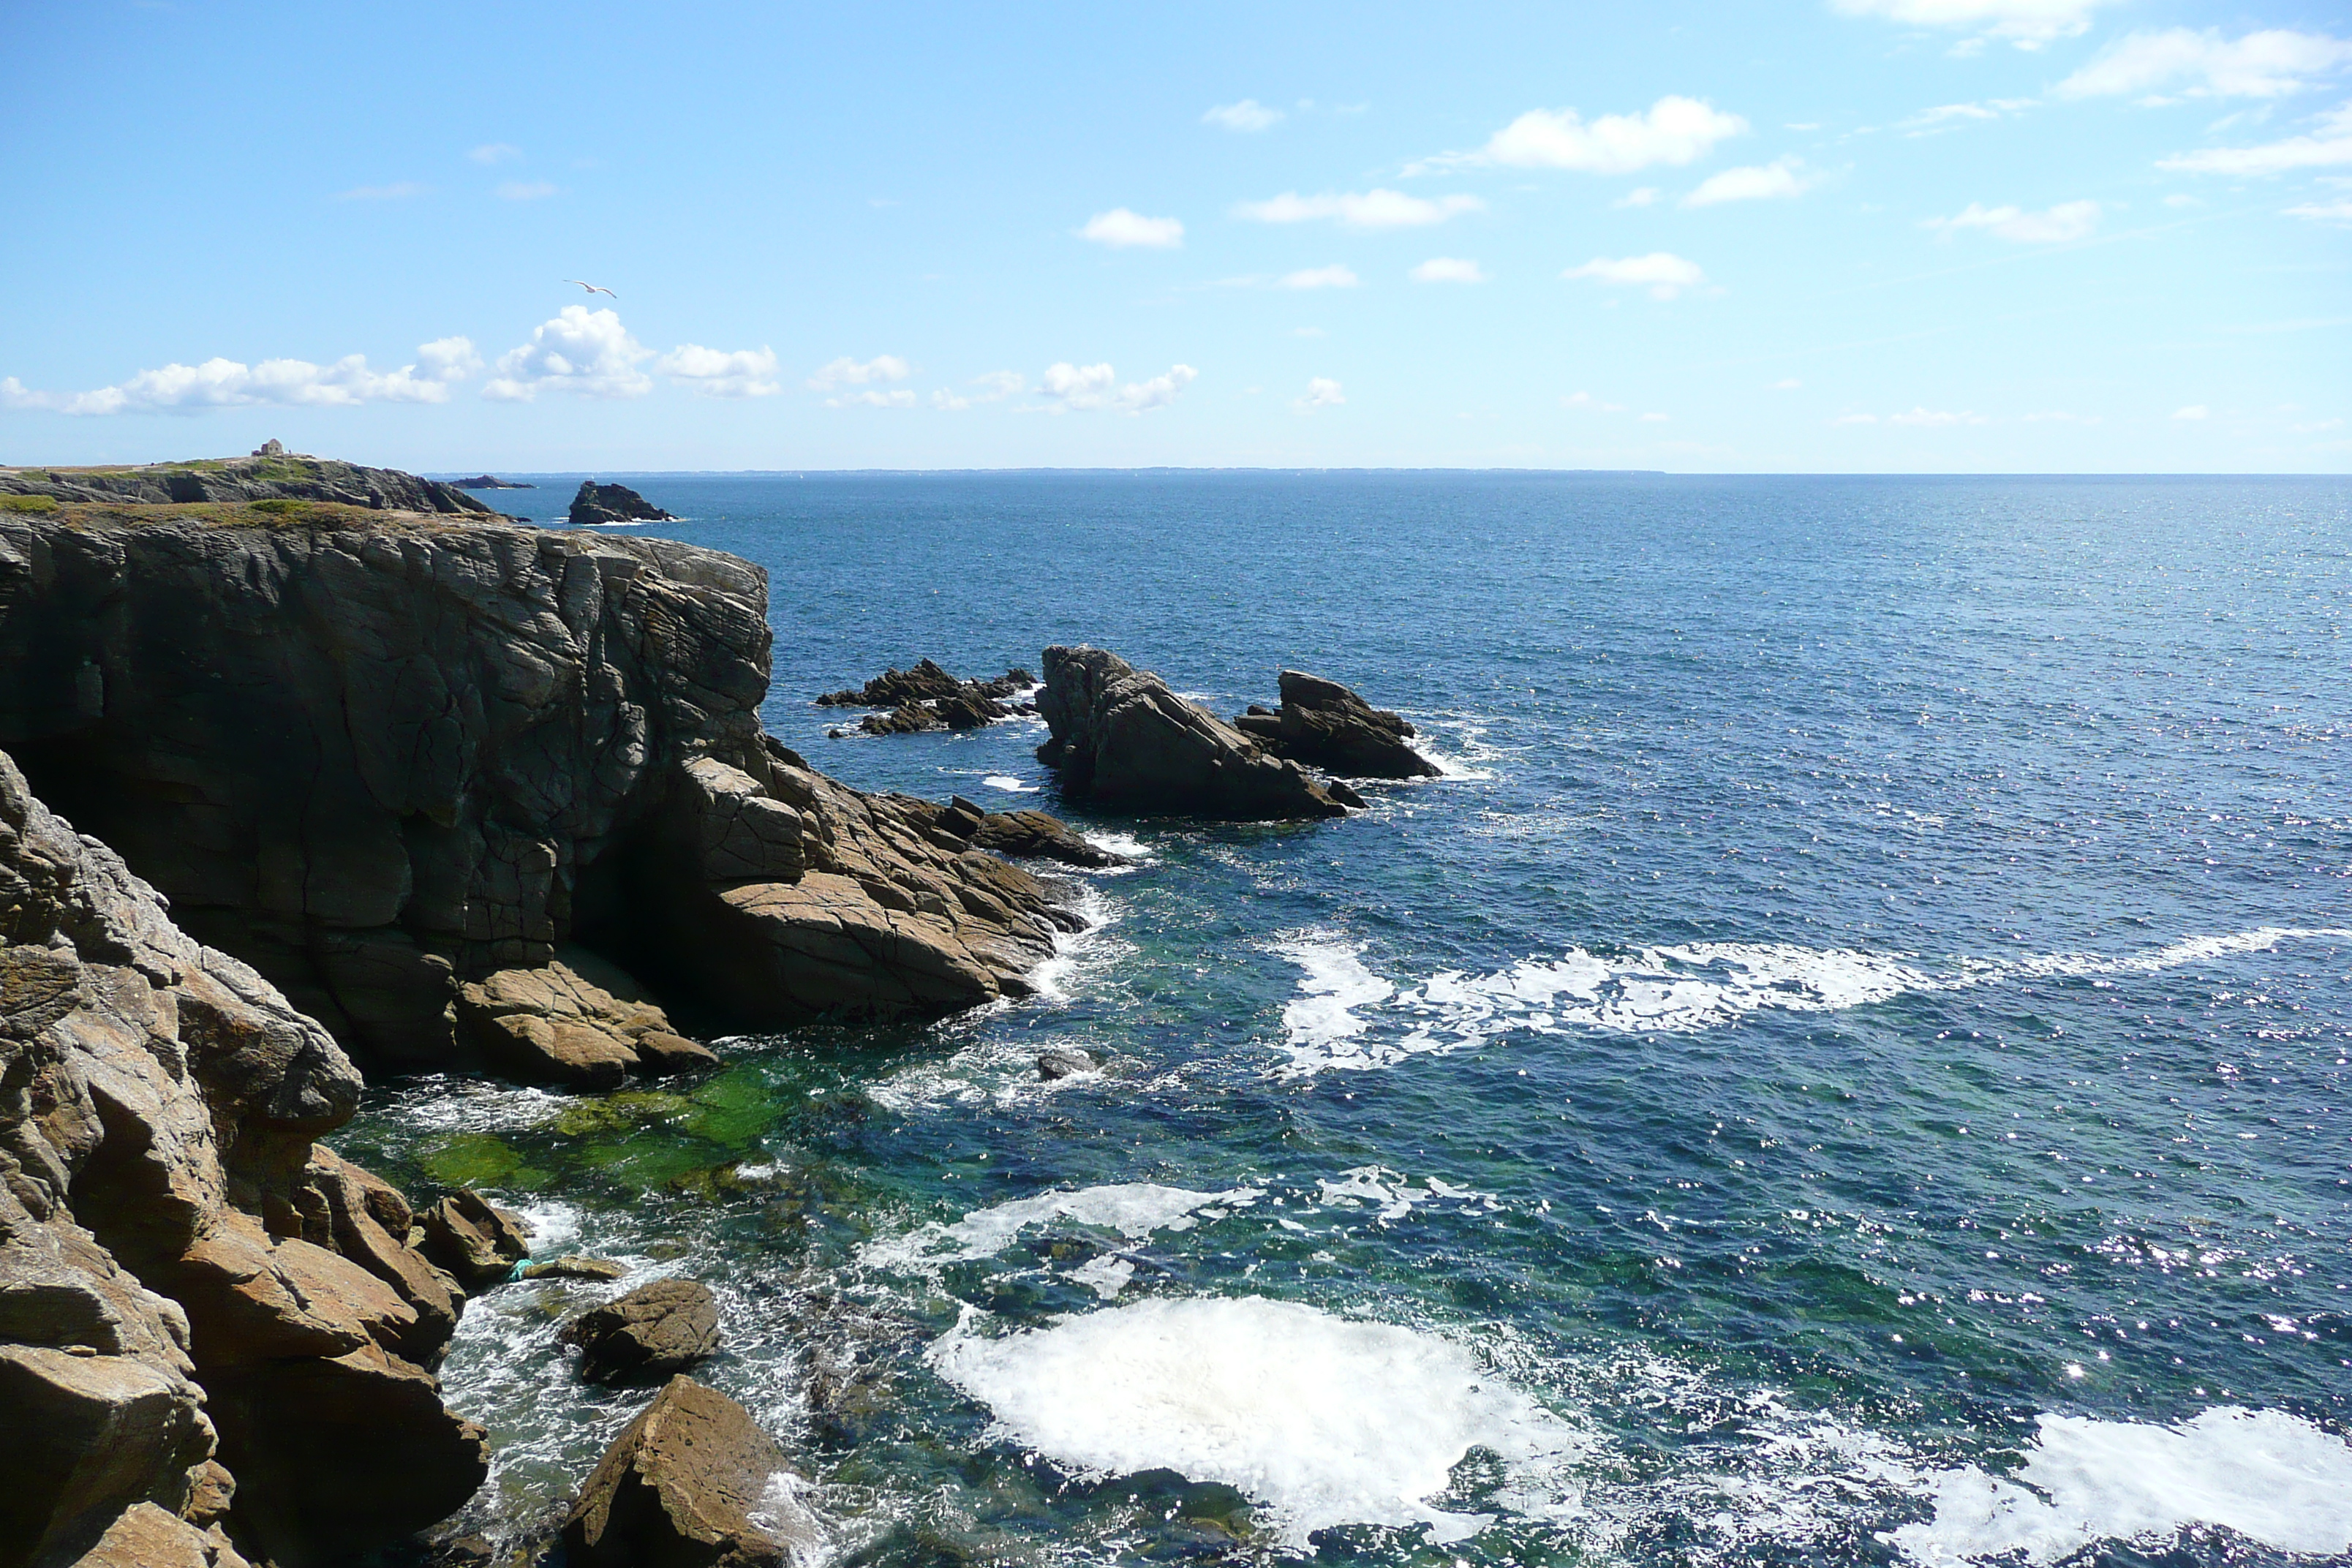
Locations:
(377, 754)
(208, 1326)
(278, 476)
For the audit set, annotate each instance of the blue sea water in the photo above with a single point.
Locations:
(1849, 1065)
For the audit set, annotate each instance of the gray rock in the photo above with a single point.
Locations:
(656, 1329)
(479, 1245)
(270, 474)
(1121, 738)
(1064, 1063)
(597, 503)
(1322, 724)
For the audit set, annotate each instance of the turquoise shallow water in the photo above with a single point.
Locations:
(1849, 1066)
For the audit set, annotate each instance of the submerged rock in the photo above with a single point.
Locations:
(1064, 1063)
(681, 1487)
(653, 1330)
(597, 503)
(1324, 725)
(1122, 737)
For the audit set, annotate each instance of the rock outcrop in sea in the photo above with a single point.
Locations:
(691, 1480)
(1322, 724)
(214, 1338)
(597, 503)
(492, 482)
(928, 697)
(1122, 738)
(387, 759)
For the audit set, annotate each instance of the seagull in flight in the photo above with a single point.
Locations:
(593, 289)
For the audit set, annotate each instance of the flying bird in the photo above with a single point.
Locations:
(593, 289)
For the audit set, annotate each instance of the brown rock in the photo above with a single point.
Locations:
(575, 1266)
(679, 1488)
(1322, 724)
(477, 1244)
(1034, 834)
(145, 1536)
(552, 1025)
(1120, 737)
(83, 1439)
(653, 1330)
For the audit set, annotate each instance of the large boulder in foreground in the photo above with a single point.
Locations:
(1324, 725)
(207, 1322)
(692, 1483)
(1122, 738)
(653, 1332)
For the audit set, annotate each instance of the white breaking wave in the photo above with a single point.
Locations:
(1693, 986)
(1134, 1209)
(1008, 784)
(1322, 1420)
(2269, 1476)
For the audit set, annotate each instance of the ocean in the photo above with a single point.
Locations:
(1850, 1064)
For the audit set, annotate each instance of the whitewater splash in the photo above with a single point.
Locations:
(1134, 1209)
(1688, 987)
(1322, 1420)
(2268, 1476)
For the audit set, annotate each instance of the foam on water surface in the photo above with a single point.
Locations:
(1134, 1209)
(1687, 987)
(1322, 1420)
(2266, 1475)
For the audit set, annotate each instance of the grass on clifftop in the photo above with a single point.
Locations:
(274, 513)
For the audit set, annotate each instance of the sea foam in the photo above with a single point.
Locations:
(1134, 1209)
(1322, 1420)
(1687, 987)
(2268, 1476)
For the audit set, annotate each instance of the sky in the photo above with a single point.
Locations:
(1813, 236)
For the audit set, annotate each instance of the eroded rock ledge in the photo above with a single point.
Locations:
(384, 755)
(214, 1339)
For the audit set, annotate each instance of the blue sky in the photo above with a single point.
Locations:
(1823, 236)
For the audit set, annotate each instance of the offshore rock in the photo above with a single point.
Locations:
(1121, 738)
(651, 1332)
(1322, 724)
(927, 682)
(680, 1488)
(206, 1322)
(477, 1244)
(385, 757)
(597, 503)
(491, 482)
(268, 475)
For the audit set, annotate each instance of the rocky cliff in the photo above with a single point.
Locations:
(381, 754)
(213, 1336)
(268, 475)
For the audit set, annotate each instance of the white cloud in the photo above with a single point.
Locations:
(1664, 274)
(1673, 131)
(1855, 419)
(947, 402)
(1249, 114)
(2028, 23)
(2337, 211)
(398, 191)
(495, 152)
(847, 372)
(1332, 277)
(2194, 411)
(1122, 229)
(581, 350)
(1937, 419)
(1762, 181)
(1448, 269)
(1087, 388)
(999, 384)
(898, 397)
(1950, 116)
(716, 373)
(1322, 392)
(2062, 225)
(1368, 209)
(525, 190)
(289, 383)
(1790, 383)
(2268, 63)
(1585, 400)
(2331, 146)
(1640, 196)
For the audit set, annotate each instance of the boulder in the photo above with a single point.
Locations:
(907, 718)
(1064, 1063)
(597, 503)
(86, 1436)
(1034, 834)
(1322, 724)
(574, 1266)
(692, 1483)
(653, 1330)
(1122, 738)
(479, 1245)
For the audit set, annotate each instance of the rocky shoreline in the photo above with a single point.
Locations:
(295, 785)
